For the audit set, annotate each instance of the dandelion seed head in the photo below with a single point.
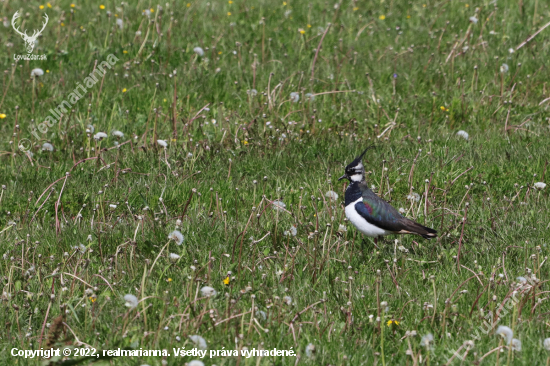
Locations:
(463, 134)
(176, 236)
(199, 341)
(130, 301)
(37, 72)
(516, 345)
(199, 51)
(100, 135)
(208, 291)
(505, 332)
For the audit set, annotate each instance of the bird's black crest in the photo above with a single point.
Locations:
(357, 160)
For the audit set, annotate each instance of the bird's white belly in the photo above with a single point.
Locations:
(361, 224)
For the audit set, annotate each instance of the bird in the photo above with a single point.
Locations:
(370, 214)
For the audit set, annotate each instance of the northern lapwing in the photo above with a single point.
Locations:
(370, 214)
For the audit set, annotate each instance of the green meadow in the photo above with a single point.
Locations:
(169, 181)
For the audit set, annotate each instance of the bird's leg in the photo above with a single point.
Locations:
(376, 242)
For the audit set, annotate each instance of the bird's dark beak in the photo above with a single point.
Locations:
(345, 176)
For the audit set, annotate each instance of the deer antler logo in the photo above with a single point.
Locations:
(29, 40)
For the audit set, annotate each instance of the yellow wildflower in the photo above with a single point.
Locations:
(73, 5)
(62, 24)
(228, 13)
(124, 90)
(355, 8)
(124, 51)
(382, 17)
(102, 7)
(284, 3)
(230, 2)
(390, 322)
(49, 5)
(188, 4)
(309, 25)
(2, 115)
(301, 30)
(226, 280)
(41, 7)
(169, 279)
(152, 10)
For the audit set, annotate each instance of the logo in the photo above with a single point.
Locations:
(24, 145)
(30, 41)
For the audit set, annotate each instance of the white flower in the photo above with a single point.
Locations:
(195, 363)
(100, 135)
(521, 280)
(540, 185)
(332, 195)
(199, 341)
(112, 207)
(511, 50)
(252, 92)
(516, 345)
(49, 147)
(119, 23)
(292, 231)
(162, 143)
(199, 51)
(473, 20)
(310, 350)
(279, 205)
(138, 33)
(427, 340)
(90, 129)
(414, 197)
(147, 12)
(546, 344)
(342, 228)
(294, 97)
(505, 332)
(287, 13)
(287, 300)
(37, 72)
(174, 257)
(130, 301)
(208, 291)
(463, 134)
(504, 68)
(401, 210)
(310, 97)
(117, 133)
(176, 236)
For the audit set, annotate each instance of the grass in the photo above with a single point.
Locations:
(88, 223)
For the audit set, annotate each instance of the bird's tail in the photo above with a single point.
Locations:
(430, 233)
(423, 231)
